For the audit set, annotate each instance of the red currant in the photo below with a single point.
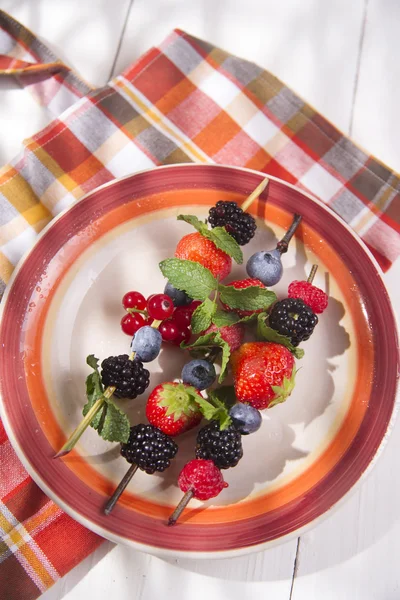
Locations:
(169, 330)
(130, 323)
(160, 306)
(183, 336)
(134, 300)
(182, 316)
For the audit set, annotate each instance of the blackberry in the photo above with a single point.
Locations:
(240, 225)
(223, 447)
(293, 318)
(129, 377)
(149, 448)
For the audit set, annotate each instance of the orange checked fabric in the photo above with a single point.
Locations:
(185, 101)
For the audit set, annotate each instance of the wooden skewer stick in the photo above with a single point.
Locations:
(181, 506)
(312, 273)
(121, 487)
(90, 415)
(254, 195)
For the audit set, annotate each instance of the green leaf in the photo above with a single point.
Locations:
(110, 422)
(203, 341)
(212, 340)
(264, 332)
(94, 390)
(213, 412)
(251, 298)
(226, 354)
(93, 362)
(219, 236)
(190, 277)
(114, 426)
(225, 242)
(224, 395)
(222, 318)
(203, 315)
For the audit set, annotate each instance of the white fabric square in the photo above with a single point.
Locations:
(320, 182)
(261, 129)
(129, 159)
(219, 89)
(16, 248)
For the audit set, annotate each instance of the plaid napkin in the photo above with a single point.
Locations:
(184, 101)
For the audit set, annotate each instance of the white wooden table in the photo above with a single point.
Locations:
(343, 57)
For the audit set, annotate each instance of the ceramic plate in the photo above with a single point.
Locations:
(64, 302)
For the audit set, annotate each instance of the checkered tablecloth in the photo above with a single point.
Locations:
(183, 101)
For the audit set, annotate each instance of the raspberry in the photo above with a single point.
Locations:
(203, 477)
(240, 225)
(315, 298)
(149, 448)
(223, 447)
(241, 284)
(129, 377)
(293, 318)
(199, 249)
(232, 334)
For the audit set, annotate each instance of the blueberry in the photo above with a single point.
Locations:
(146, 343)
(265, 266)
(199, 373)
(178, 298)
(245, 418)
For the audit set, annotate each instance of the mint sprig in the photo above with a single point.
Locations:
(205, 343)
(203, 316)
(110, 422)
(250, 298)
(264, 332)
(219, 236)
(190, 277)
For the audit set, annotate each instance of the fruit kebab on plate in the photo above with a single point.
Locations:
(202, 315)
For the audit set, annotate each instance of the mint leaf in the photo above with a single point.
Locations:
(225, 242)
(202, 316)
(190, 277)
(251, 298)
(264, 332)
(94, 390)
(226, 354)
(213, 412)
(224, 395)
(114, 426)
(203, 341)
(212, 340)
(222, 318)
(93, 362)
(219, 236)
(110, 422)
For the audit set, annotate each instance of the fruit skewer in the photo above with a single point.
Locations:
(263, 376)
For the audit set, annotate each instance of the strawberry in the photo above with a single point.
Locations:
(199, 249)
(241, 284)
(232, 334)
(264, 373)
(172, 407)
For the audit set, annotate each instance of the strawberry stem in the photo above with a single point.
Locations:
(88, 418)
(121, 487)
(181, 506)
(254, 195)
(311, 276)
(283, 245)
